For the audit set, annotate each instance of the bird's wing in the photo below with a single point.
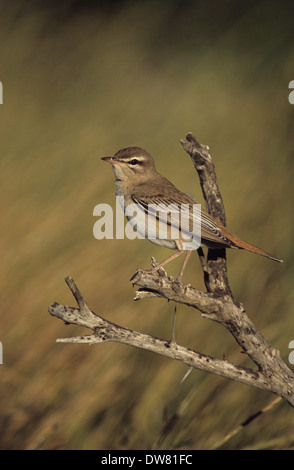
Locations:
(213, 232)
(164, 205)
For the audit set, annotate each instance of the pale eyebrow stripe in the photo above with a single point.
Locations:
(129, 159)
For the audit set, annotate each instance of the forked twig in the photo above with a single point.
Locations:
(270, 372)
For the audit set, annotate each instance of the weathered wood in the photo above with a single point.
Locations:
(217, 304)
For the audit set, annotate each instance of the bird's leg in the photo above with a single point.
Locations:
(170, 258)
(187, 256)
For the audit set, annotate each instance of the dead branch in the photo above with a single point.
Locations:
(104, 330)
(217, 304)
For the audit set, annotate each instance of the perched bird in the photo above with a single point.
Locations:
(139, 183)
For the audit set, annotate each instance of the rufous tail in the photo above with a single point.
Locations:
(254, 249)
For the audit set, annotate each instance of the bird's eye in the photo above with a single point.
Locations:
(134, 161)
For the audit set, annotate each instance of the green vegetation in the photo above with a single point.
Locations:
(79, 85)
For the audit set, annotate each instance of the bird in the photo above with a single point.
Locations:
(138, 181)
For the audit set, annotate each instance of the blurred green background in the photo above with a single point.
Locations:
(82, 80)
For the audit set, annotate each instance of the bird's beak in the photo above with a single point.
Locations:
(110, 160)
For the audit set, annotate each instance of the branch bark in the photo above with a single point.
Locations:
(217, 304)
(104, 330)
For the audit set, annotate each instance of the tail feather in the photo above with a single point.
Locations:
(254, 249)
(215, 235)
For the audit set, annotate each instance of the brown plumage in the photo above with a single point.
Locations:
(138, 181)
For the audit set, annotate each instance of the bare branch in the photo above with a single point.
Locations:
(104, 330)
(215, 275)
(216, 304)
(203, 163)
